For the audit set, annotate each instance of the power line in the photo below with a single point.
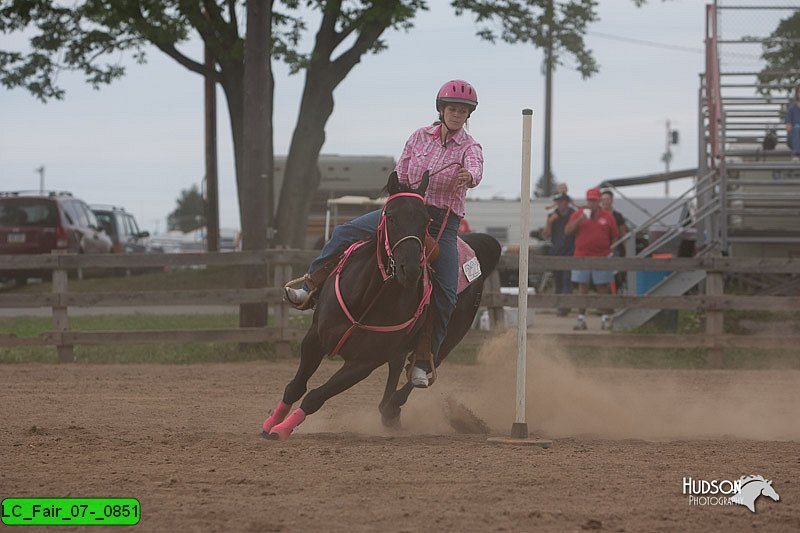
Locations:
(643, 42)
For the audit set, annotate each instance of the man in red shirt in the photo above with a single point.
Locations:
(594, 229)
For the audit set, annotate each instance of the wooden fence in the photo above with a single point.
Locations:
(282, 265)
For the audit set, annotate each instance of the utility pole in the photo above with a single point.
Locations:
(40, 170)
(547, 176)
(548, 119)
(211, 187)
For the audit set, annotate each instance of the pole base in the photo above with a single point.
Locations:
(519, 437)
(508, 441)
(519, 430)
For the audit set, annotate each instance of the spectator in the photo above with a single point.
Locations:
(561, 243)
(594, 230)
(561, 188)
(792, 122)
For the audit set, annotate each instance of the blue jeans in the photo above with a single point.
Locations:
(445, 276)
(358, 229)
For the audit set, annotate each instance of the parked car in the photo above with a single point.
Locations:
(37, 223)
(121, 226)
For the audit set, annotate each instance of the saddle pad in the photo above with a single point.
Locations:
(469, 268)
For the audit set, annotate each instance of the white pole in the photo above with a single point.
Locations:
(520, 427)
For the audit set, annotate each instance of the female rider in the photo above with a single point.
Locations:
(455, 162)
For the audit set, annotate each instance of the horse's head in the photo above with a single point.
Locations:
(767, 490)
(405, 221)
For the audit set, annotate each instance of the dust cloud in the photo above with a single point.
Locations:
(625, 403)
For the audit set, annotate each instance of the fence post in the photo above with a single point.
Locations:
(497, 319)
(60, 316)
(281, 273)
(715, 355)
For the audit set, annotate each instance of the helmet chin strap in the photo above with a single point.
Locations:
(449, 131)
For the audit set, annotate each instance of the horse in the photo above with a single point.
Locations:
(371, 309)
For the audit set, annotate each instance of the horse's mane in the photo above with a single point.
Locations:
(744, 480)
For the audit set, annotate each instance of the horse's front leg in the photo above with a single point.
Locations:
(399, 398)
(311, 354)
(351, 373)
(390, 416)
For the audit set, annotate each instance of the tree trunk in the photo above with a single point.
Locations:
(256, 150)
(301, 176)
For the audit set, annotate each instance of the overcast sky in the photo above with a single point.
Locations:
(139, 141)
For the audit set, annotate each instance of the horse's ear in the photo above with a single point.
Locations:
(423, 186)
(393, 185)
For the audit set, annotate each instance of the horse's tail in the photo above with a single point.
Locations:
(487, 249)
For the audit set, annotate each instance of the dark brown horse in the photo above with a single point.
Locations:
(359, 314)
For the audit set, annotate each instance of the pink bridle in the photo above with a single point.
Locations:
(387, 273)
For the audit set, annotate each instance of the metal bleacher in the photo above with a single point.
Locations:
(745, 200)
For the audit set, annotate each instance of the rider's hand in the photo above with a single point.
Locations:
(464, 177)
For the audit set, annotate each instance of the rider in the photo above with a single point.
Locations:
(455, 162)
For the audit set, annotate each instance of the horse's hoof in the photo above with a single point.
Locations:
(270, 436)
(391, 421)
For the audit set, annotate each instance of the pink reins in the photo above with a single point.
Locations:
(386, 274)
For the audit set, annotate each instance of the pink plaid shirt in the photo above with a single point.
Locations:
(424, 151)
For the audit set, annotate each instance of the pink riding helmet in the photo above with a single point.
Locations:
(457, 92)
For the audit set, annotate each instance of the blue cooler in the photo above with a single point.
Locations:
(647, 280)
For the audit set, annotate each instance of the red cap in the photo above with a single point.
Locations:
(593, 194)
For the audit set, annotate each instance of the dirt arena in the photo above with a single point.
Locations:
(184, 440)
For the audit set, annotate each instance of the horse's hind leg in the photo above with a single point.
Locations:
(390, 416)
(311, 354)
(344, 378)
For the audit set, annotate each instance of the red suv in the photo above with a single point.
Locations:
(36, 223)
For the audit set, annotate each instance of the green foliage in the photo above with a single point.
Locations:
(189, 215)
(93, 36)
(547, 24)
(542, 185)
(782, 55)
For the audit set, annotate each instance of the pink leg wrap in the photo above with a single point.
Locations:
(284, 429)
(277, 416)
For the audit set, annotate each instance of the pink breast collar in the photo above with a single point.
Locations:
(387, 273)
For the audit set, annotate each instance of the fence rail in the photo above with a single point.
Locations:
(280, 263)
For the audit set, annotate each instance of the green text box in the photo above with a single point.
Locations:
(70, 511)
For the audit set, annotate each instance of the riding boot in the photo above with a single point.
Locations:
(422, 370)
(310, 284)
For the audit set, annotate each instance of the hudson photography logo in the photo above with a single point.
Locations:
(743, 491)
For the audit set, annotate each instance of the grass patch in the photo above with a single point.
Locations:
(142, 353)
(134, 353)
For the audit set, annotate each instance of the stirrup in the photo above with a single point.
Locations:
(413, 362)
(298, 283)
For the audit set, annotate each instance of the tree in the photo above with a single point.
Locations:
(189, 213)
(782, 55)
(79, 37)
(82, 36)
(365, 20)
